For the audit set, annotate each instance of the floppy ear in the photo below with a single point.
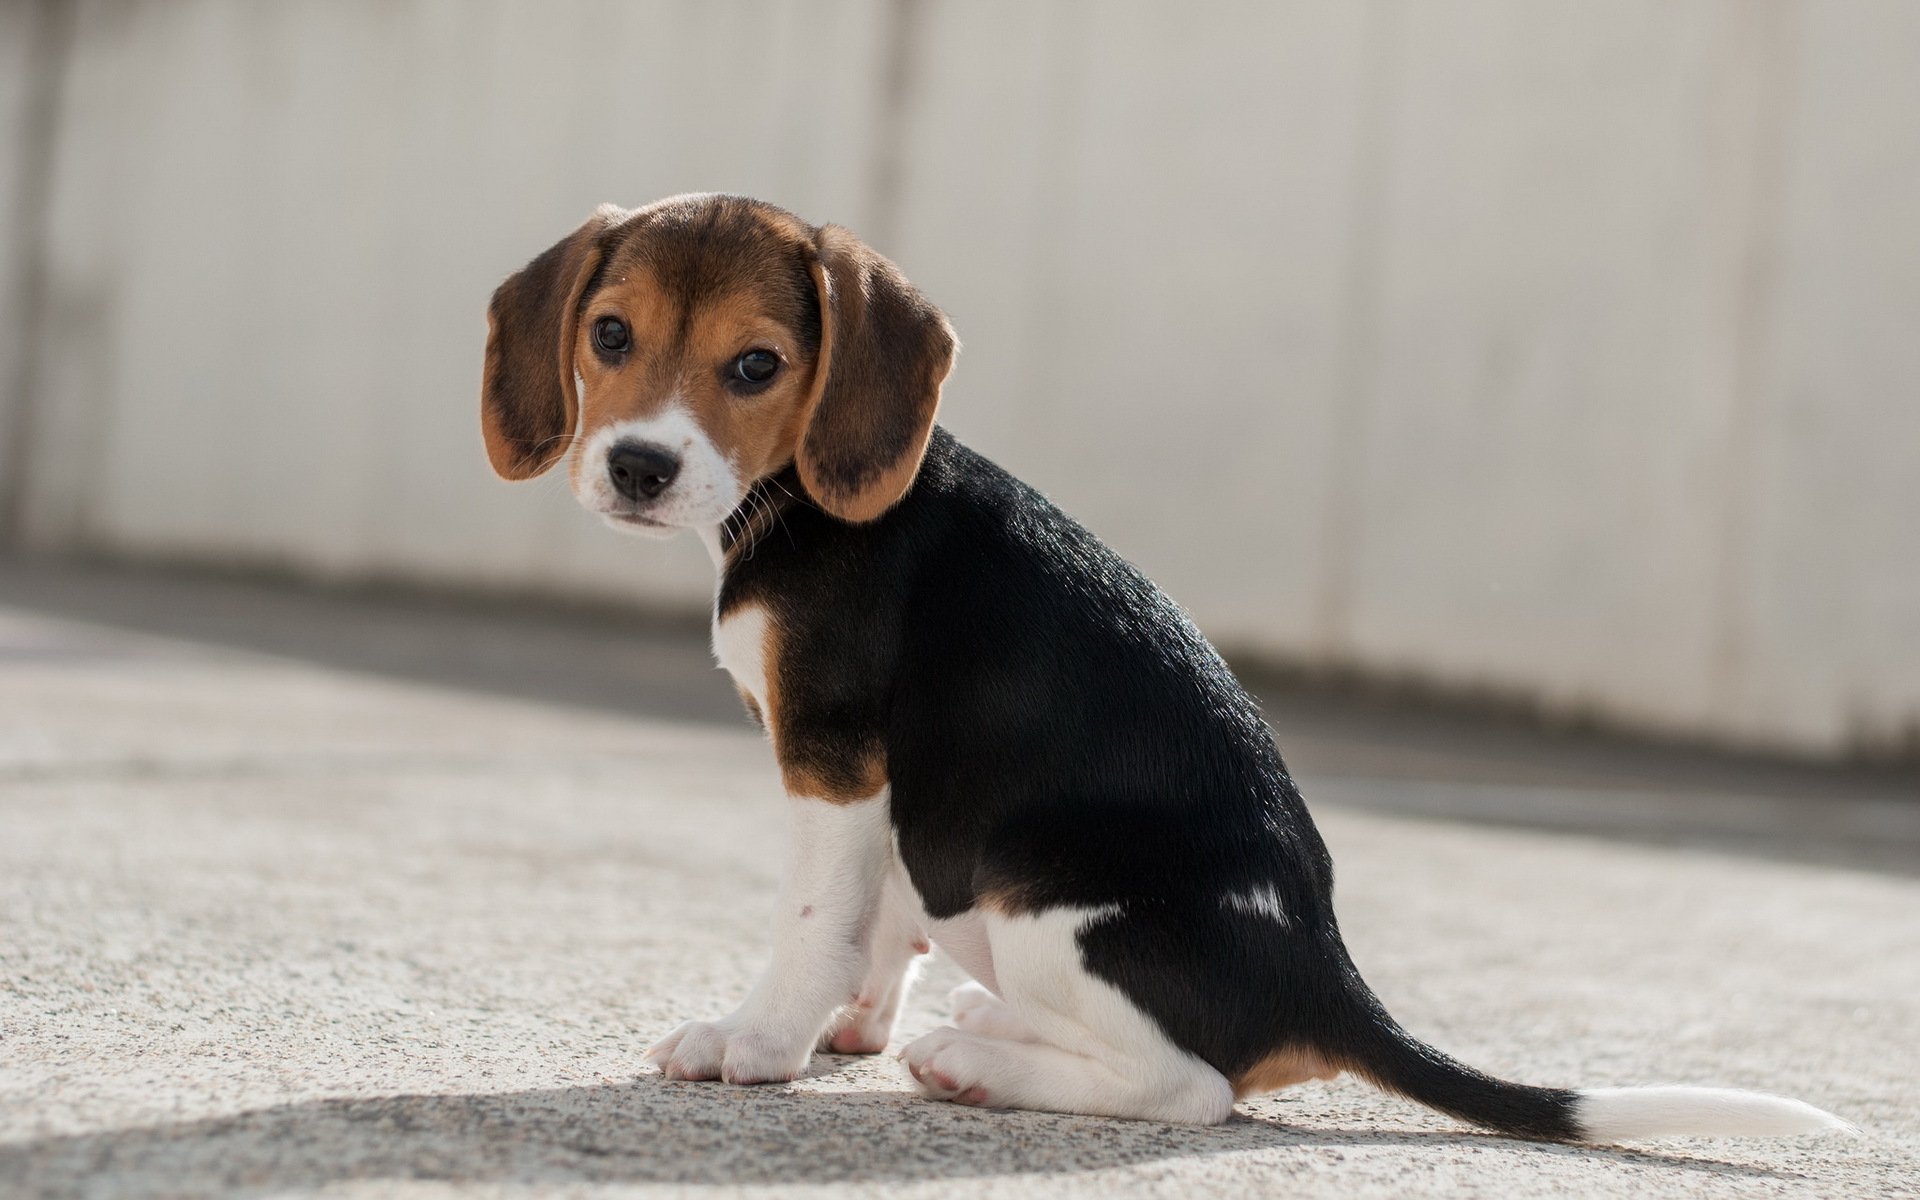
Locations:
(884, 352)
(527, 402)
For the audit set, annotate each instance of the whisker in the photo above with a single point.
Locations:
(780, 516)
(754, 501)
(796, 499)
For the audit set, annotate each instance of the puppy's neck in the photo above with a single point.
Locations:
(759, 515)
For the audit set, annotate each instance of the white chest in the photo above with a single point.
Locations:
(740, 645)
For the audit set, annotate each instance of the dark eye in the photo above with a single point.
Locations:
(611, 334)
(756, 366)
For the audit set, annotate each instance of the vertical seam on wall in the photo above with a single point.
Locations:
(1049, 195)
(50, 40)
(1357, 340)
(899, 42)
(1756, 287)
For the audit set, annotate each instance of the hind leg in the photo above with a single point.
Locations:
(977, 1010)
(1094, 1052)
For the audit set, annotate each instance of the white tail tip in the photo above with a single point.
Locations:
(1630, 1114)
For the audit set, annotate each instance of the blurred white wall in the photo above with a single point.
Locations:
(1568, 351)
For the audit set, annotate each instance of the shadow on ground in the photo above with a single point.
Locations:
(651, 1131)
(550, 653)
(1425, 762)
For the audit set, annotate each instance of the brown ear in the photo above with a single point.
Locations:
(527, 403)
(884, 352)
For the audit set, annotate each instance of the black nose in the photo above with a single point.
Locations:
(641, 469)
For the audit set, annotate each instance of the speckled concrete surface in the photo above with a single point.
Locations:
(272, 929)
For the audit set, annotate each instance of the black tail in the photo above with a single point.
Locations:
(1372, 1045)
(1377, 1049)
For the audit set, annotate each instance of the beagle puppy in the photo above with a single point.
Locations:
(994, 734)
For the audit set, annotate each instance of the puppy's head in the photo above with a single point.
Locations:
(686, 350)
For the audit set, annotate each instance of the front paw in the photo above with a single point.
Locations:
(859, 1028)
(866, 1025)
(731, 1051)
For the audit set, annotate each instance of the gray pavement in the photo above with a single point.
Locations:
(305, 894)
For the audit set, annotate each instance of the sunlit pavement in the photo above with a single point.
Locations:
(303, 894)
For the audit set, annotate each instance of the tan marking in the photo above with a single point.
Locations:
(1015, 900)
(770, 677)
(752, 706)
(801, 772)
(865, 782)
(1283, 1069)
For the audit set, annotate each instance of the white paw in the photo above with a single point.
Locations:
(977, 1010)
(729, 1051)
(950, 1065)
(863, 1027)
(969, 998)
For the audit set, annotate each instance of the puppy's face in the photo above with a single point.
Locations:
(694, 357)
(686, 350)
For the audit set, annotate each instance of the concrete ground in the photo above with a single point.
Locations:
(306, 895)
